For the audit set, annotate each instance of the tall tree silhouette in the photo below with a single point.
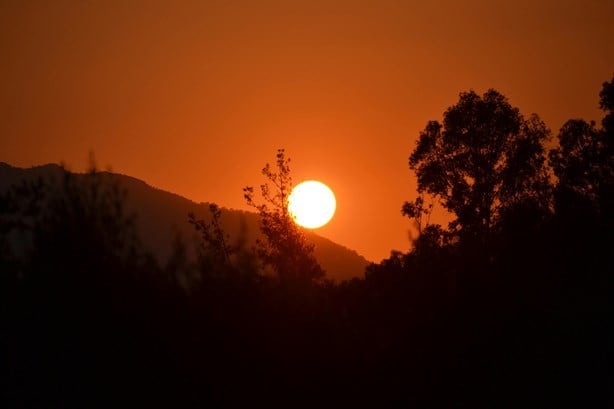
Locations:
(576, 164)
(584, 163)
(483, 160)
(286, 249)
(606, 102)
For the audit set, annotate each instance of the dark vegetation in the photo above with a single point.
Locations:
(507, 306)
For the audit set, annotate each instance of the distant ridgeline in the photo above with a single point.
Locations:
(161, 216)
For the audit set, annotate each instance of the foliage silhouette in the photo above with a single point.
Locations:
(525, 276)
(286, 249)
(212, 234)
(484, 158)
(75, 313)
(217, 256)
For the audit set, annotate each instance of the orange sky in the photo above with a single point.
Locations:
(195, 96)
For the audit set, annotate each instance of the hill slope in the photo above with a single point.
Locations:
(162, 215)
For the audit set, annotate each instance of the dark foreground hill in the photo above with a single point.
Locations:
(161, 216)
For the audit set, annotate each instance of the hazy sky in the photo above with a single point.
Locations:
(196, 96)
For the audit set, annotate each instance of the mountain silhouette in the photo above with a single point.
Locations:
(162, 216)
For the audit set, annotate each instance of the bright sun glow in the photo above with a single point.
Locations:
(312, 204)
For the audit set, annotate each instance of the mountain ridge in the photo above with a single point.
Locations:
(161, 216)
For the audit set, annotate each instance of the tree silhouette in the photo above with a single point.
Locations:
(483, 160)
(430, 236)
(418, 212)
(218, 258)
(575, 162)
(214, 240)
(84, 285)
(286, 249)
(584, 163)
(606, 102)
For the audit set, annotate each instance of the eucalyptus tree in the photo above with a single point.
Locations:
(484, 160)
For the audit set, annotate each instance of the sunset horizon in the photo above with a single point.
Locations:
(304, 204)
(172, 94)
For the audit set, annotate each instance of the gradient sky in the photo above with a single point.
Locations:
(195, 97)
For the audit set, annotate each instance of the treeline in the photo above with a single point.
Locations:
(507, 306)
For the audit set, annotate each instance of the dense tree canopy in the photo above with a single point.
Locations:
(484, 159)
(584, 164)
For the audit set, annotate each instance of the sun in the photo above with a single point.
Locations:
(311, 204)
